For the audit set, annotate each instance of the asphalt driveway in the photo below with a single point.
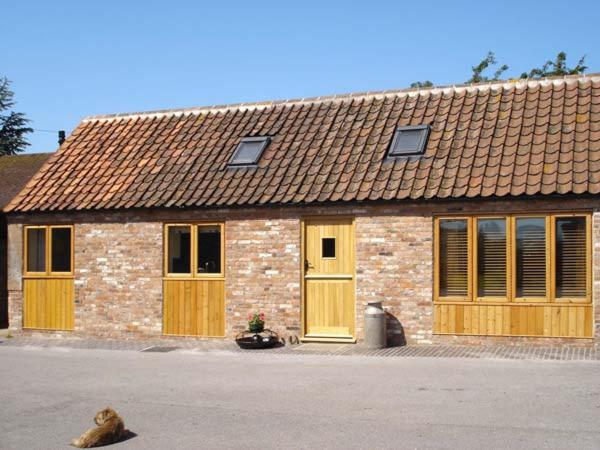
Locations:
(220, 399)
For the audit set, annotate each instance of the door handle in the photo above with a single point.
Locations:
(307, 265)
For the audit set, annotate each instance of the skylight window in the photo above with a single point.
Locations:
(249, 150)
(409, 141)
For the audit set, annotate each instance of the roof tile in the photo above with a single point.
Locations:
(16, 171)
(495, 139)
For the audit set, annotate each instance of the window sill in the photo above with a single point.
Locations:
(561, 302)
(191, 278)
(47, 276)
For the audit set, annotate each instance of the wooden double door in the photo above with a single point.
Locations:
(329, 279)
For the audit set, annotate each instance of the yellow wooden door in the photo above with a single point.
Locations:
(194, 284)
(329, 279)
(48, 283)
(194, 308)
(48, 304)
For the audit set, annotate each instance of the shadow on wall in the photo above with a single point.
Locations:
(395, 331)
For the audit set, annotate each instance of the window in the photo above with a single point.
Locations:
(409, 141)
(194, 250)
(454, 258)
(49, 250)
(571, 257)
(180, 250)
(36, 249)
(516, 258)
(531, 256)
(209, 249)
(61, 249)
(249, 150)
(328, 248)
(491, 257)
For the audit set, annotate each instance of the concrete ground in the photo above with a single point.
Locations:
(221, 399)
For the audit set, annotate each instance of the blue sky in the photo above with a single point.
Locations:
(71, 59)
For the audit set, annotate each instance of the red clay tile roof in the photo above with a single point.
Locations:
(16, 171)
(494, 139)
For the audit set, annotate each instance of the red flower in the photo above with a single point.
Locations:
(256, 317)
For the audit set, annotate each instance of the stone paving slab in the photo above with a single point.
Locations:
(427, 351)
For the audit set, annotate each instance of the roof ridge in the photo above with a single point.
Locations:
(20, 155)
(338, 97)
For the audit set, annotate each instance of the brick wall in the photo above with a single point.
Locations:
(596, 270)
(394, 265)
(14, 285)
(118, 278)
(118, 265)
(3, 275)
(263, 272)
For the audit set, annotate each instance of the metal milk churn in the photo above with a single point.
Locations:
(375, 328)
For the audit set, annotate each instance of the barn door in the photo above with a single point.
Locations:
(329, 284)
(194, 284)
(48, 284)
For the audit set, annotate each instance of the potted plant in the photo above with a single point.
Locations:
(256, 322)
(256, 336)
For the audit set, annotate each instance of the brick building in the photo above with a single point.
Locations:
(471, 211)
(15, 172)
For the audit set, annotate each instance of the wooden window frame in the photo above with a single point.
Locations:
(547, 224)
(47, 273)
(550, 221)
(193, 274)
(475, 247)
(436, 272)
(588, 256)
(335, 247)
(26, 271)
(167, 274)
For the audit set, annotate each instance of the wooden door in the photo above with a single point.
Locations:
(194, 307)
(194, 284)
(329, 279)
(48, 283)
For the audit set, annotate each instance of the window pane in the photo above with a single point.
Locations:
(209, 249)
(531, 257)
(454, 258)
(491, 258)
(571, 257)
(328, 248)
(36, 250)
(61, 250)
(179, 250)
(409, 141)
(249, 150)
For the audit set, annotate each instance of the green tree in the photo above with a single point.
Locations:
(477, 71)
(556, 68)
(13, 125)
(421, 84)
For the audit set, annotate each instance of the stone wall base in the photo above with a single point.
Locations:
(512, 341)
(436, 340)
